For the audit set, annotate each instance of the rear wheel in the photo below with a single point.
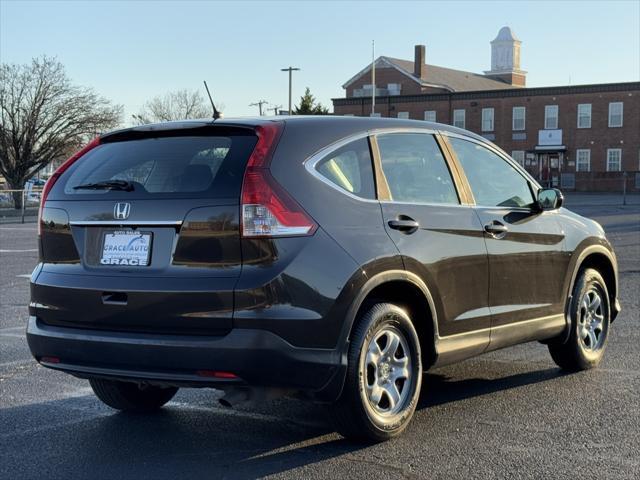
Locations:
(384, 376)
(130, 396)
(590, 318)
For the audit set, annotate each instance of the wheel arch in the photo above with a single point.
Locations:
(603, 260)
(406, 290)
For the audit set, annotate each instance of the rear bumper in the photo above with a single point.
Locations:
(258, 358)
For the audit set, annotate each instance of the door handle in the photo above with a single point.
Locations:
(404, 224)
(496, 229)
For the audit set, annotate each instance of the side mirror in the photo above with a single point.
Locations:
(550, 199)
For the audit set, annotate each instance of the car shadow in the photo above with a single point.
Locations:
(439, 388)
(80, 438)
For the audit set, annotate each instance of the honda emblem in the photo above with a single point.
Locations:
(121, 211)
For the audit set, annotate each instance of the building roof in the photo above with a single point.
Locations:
(506, 34)
(438, 77)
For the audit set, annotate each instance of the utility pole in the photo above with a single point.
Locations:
(290, 70)
(275, 109)
(259, 104)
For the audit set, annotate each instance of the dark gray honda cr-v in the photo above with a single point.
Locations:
(337, 258)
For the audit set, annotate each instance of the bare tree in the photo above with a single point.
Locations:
(44, 118)
(177, 105)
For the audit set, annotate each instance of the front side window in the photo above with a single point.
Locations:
(615, 114)
(487, 119)
(583, 160)
(584, 115)
(430, 115)
(551, 117)
(350, 169)
(415, 169)
(519, 118)
(494, 182)
(458, 118)
(614, 160)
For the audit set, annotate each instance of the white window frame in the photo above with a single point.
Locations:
(518, 156)
(456, 112)
(428, 113)
(587, 159)
(587, 114)
(524, 118)
(611, 151)
(548, 117)
(404, 115)
(611, 105)
(488, 119)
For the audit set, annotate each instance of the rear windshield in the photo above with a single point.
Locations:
(184, 166)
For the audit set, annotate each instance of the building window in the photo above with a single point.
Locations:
(393, 88)
(403, 114)
(584, 115)
(614, 159)
(519, 114)
(375, 115)
(550, 117)
(583, 160)
(458, 118)
(518, 156)
(487, 119)
(430, 115)
(615, 114)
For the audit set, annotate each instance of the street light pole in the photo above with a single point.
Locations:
(290, 70)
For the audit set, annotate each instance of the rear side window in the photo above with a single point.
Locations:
(494, 182)
(415, 169)
(350, 168)
(211, 166)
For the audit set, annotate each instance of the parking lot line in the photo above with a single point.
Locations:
(19, 251)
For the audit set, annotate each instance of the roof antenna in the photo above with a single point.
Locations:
(216, 114)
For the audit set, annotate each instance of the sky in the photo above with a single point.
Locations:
(131, 51)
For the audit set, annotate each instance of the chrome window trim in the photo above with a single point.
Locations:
(311, 162)
(83, 223)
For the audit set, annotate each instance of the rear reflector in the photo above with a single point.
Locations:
(214, 374)
(267, 209)
(59, 171)
(50, 360)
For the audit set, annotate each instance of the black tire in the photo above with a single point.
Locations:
(130, 396)
(355, 415)
(584, 348)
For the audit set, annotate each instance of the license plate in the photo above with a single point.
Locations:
(126, 247)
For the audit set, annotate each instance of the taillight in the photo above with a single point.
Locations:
(59, 171)
(267, 209)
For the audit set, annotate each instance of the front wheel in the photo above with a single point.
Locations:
(130, 396)
(590, 315)
(384, 376)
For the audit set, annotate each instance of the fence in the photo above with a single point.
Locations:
(19, 204)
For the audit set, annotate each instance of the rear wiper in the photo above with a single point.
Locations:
(107, 185)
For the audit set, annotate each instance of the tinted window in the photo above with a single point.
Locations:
(350, 168)
(193, 165)
(415, 169)
(494, 182)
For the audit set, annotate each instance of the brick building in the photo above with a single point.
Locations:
(582, 137)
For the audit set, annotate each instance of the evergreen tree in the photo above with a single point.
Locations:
(308, 105)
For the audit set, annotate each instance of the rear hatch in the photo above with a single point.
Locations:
(142, 232)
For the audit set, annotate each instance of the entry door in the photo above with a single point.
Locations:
(439, 239)
(527, 261)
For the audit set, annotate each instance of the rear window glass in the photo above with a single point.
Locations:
(211, 166)
(350, 168)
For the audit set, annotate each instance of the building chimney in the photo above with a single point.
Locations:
(419, 63)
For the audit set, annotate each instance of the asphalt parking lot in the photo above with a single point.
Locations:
(509, 414)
